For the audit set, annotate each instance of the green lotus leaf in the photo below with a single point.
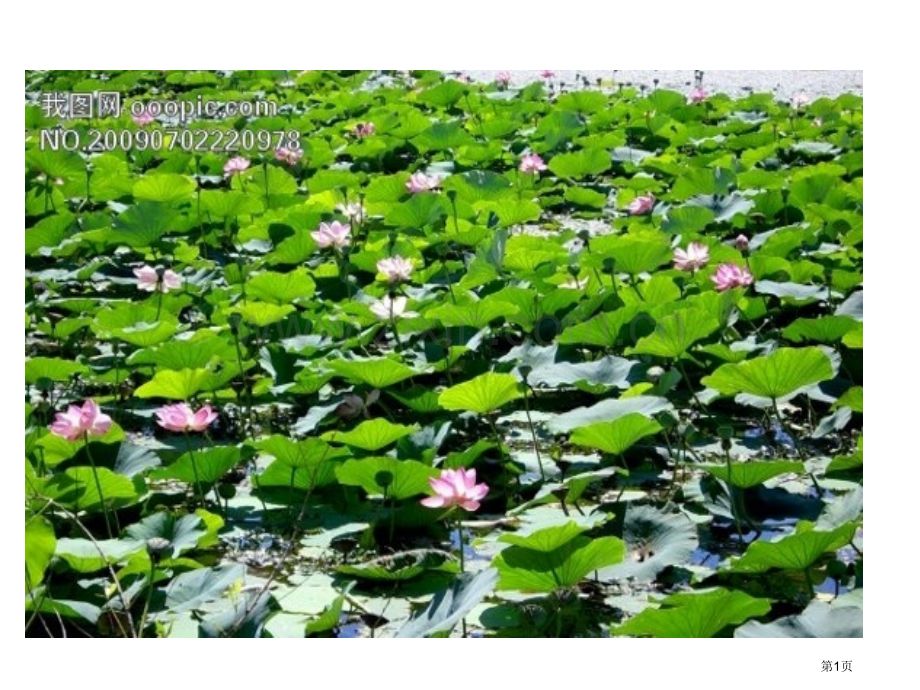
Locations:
(192, 590)
(854, 339)
(448, 607)
(228, 204)
(685, 220)
(444, 94)
(397, 479)
(379, 373)
(76, 487)
(174, 385)
(617, 436)
(483, 394)
(675, 334)
(579, 164)
(704, 614)
(795, 292)
(635, 255)
(85, 556)
(795, 551)
(853, 399)
(547, 539)
(273, 182)
(826, 329)
(373, 434)
(310, 453)
(478, 185)
(582, 101)
(52, 369)
(419, 211)
(530, 570)
(302, 477)
(40, 547)
(164, 187)
(608, 411)
(198, 353)
(783, 372)
(293, 250)
(183, 534)
(48, 232)
(203, 467)
(703, 181)
(745, 475)
(580, 196)
(444, 135)
(655, 540)
(612, 329)
(280, 288)
(261, 313)
(511, 212)
(476, 315)
(137, 324)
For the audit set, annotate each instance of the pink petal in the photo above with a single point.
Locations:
(171, 280)
(147, 278)
(433, 502)
(101, 425)
(64, 427)
(459, 483)
(478, 492)
(441, 487)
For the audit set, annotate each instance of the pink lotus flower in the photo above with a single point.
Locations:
(420, 182)
(353, 211)
(532, 164)
(389, 307)
(363, 129)
(153, 279)
(693, 259)
(641, 204)
(456, 488)
(143, 118)
(289, 156)
(742, 243)
(334, 234)
(728, 276)
(235, 165)
(180, 417)
(800, 100)
(698, 95)
(395, 268)
(503, 78)
(78, 422)
(547, 73)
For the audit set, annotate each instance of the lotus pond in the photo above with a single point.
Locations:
(366, 354)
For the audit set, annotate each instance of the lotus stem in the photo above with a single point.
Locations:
(105, 508)
(191, 454)
(533, 435)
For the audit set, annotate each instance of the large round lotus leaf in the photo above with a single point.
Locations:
(777, 375)
(482, 394)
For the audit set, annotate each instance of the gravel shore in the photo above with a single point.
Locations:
(784, 83)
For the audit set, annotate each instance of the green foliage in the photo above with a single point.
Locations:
(483, 394)
(781, 373)
(550, 338)
(695, 615)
